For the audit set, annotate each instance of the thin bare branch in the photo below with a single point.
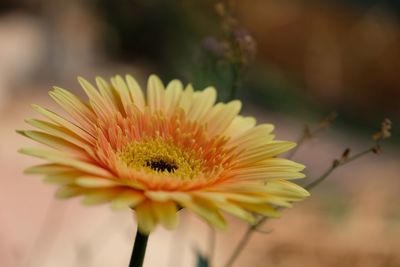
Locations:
(345, 158)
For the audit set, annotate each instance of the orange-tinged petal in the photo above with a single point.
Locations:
(174, 148)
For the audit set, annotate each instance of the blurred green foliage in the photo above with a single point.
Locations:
(168, 36)
(164, 33)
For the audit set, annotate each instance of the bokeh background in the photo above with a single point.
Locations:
(300, 60)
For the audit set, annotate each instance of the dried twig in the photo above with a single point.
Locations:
(345, 158)
(308, 133)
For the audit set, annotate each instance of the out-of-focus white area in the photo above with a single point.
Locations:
(22, 52)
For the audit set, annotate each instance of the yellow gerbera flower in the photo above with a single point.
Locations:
(174, 148)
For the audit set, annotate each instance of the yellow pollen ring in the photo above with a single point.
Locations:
(160, 156)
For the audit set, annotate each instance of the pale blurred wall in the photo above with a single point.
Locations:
(73, 30)
(22, 52)
(54, 42)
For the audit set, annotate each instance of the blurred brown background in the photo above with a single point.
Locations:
(312, 57)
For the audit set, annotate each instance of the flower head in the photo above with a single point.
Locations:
(174, 148)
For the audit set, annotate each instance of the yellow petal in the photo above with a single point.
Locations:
(145, 218)
(95, 182)
(279, 163)
(263, 209)
(127, 199)
(222, 115)
(166, 213)
(186, 98)
(65, 159)
(207, 211)
(122, 89)
(165, 195)
(155, 93)
(239, 125)
(60, 132)
(269, 175)
(287, 188)
(264, 152)
(59, 179)
(55, 142)
(173, 94)
(269, 169)
(98, 196)
(90, 90)
(253, 137)
(240, 197)
(202, 103)
(87, 135)
(75, 107)
(98, 103)
(279, 201)
(237, 211)
(136, 92)
(47, 169)
(107, 92)
(68, 191)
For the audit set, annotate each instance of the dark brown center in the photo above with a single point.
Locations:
(161, 165)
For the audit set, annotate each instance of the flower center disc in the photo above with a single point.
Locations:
(161, 157)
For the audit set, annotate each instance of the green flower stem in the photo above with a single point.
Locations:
(139, 250)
